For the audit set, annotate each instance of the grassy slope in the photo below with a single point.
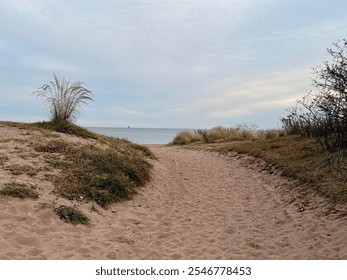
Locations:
(299, 158)
(102, 169)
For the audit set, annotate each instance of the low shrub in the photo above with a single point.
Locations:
(322, 113)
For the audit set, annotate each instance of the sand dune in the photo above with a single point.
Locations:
(199, 205)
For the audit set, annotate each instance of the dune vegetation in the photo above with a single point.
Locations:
(79, 165)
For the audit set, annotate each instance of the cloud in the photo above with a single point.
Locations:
(225, 99)
(139, 37)
(200, 70)
(253, 108)
(276, 91)
(122, 110)
(167, 62)
(53, 64)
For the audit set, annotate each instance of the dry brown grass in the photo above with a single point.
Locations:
(17, 169)
(186, 137)
(216, 134)
(221, 134)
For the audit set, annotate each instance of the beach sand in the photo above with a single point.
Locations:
(199, 205)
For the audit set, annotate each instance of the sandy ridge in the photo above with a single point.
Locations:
(199, 205)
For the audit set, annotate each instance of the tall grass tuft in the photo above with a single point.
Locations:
(62, 99)
(186, 137)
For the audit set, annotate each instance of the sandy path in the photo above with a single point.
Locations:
(199, 205)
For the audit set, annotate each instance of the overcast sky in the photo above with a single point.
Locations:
(167, 63)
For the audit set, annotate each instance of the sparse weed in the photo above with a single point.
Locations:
(17, 169)
(54, 146)
(19, 190)
(43, 205)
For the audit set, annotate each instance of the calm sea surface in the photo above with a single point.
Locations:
(141, 135)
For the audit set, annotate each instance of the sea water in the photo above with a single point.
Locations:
(141, 135)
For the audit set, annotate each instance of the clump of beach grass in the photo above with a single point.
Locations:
(215, 135)
(62, 99)
(71, 215)
(224, 134)
(19, 190)
(186, 137)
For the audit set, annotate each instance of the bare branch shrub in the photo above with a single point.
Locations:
(323, 114)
